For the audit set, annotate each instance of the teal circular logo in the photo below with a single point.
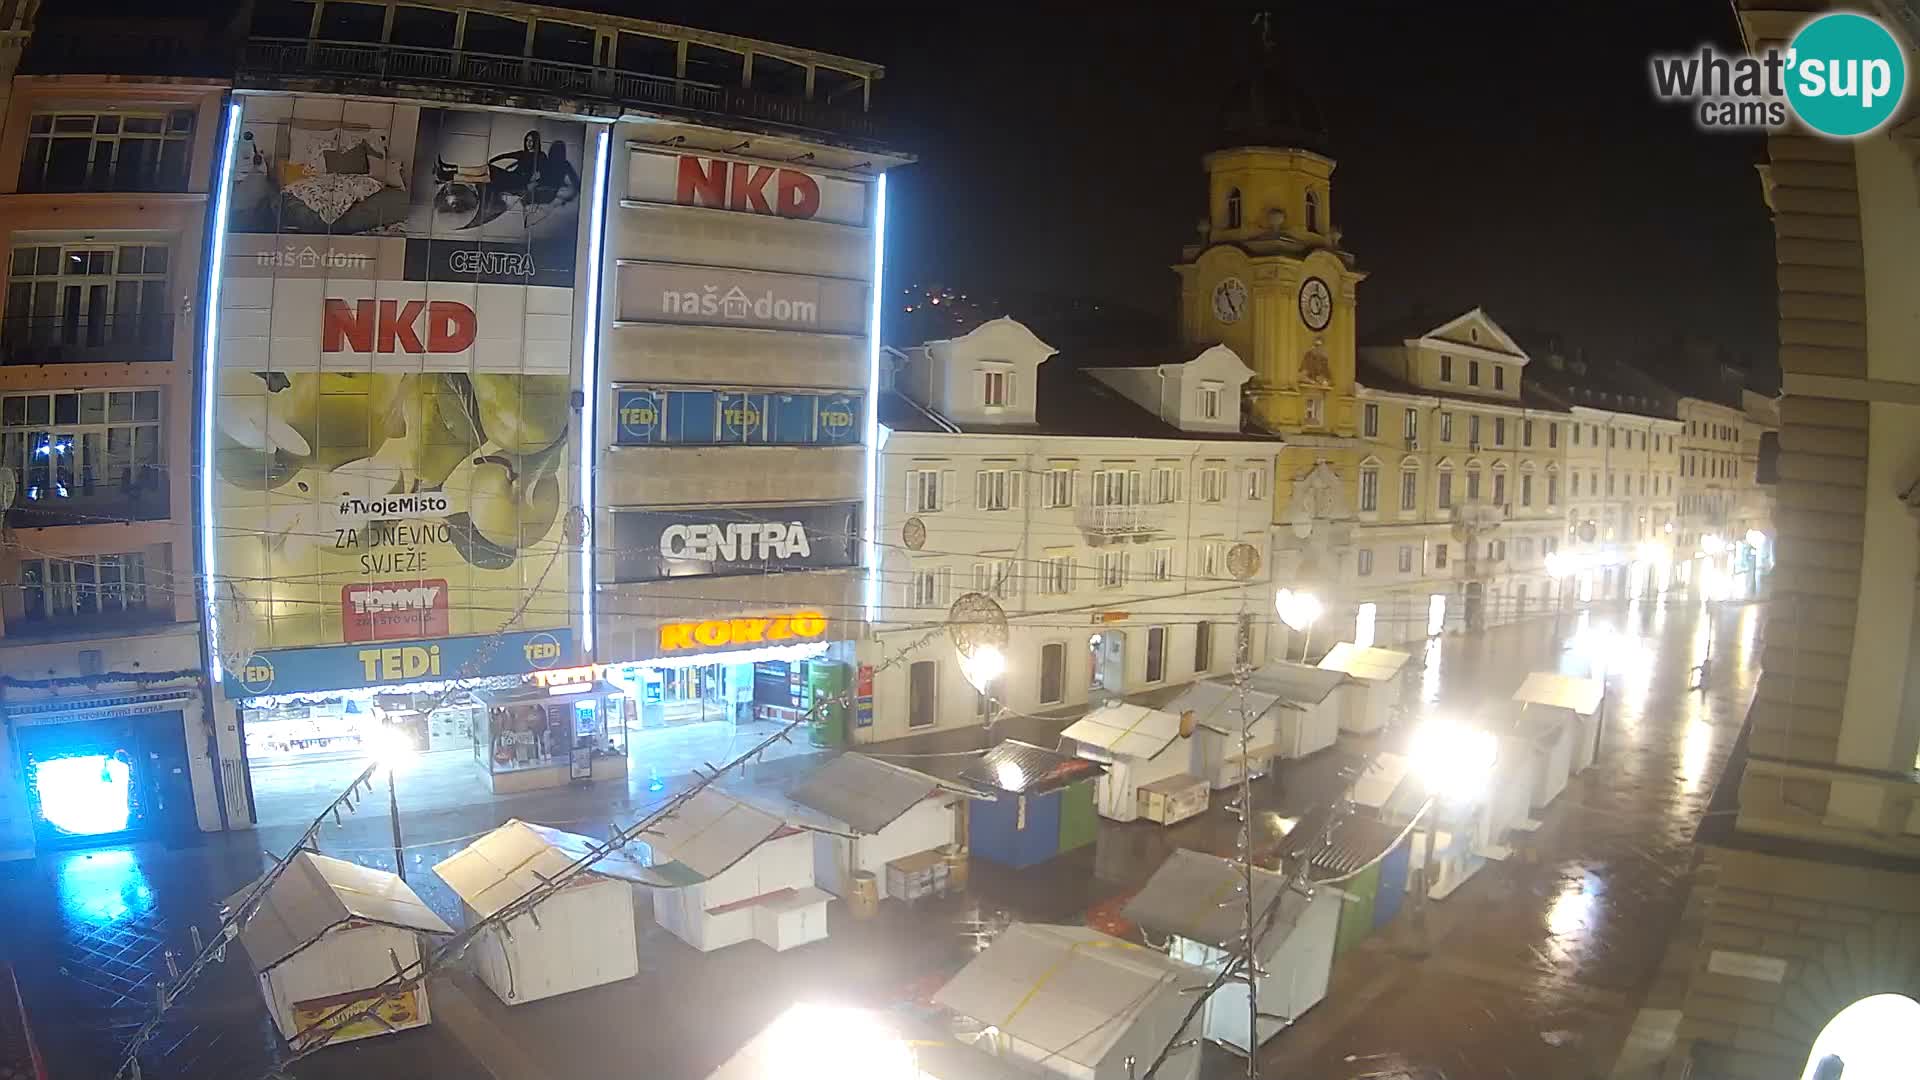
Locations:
(1845, 74)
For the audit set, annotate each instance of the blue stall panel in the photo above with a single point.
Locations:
(1015, 830)
(1393, 884)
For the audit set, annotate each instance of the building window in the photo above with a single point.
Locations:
(1440, 556)
(1116, 487)
(63, 300)
(996, 387)
(1526, 489)
(91, 585)
(924, 489)
(1443, 489)
(1156, 654)
(1163, 564)
(1473, 432)
(1553, 436)
(1212, 556)
(1166, 484)
(1233, 208)
(1643, 483)
(1056, 488)
(1473, 373)
(1256, 485)
(1053, 673)
(1549, 545)
(1576, 435)
(929, 588)
(1056, 576)
(996, 578)
(1313, 211)
(996, 489)
(922, 699)
(1210, 401)
(1499, 489)
(1316, 410)
(1446, 368)
(1526, 433)
(1553, 491)
(1410, 427)
(1609, 483)
(1593, 434)
(1370, 420)
(1406, 558)
(1113, 569)
(1611, 438)
(1213, 484)
(1496, 550)
(112, 151)
(1364, 617)
(84, 457)
(1363, 562)
(1499, 431)
(1499, 377)
(1369, 490)
(1409, 490)
(1473, 484)
(1203, 646)
(1446, 427)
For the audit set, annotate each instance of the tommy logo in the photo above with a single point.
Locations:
(393, 610)
(385, 326)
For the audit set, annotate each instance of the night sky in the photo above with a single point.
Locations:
(1506, 155)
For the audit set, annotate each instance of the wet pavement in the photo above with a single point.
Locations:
(1534, 969)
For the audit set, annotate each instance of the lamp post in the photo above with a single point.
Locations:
(392, 749)
(1455, 763)
(1299, 610)
(1557, 570)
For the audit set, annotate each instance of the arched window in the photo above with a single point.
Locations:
(1233, 208)
(1313, 211)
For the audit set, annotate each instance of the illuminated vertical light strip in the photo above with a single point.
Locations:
(871, 509)
(590, 383)
(209, 375)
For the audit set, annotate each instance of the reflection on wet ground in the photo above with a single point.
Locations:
(1531, 970)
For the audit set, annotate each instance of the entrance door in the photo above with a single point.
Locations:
(1475, 598)
(103, 781)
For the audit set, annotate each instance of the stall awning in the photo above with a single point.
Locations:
(316, 894)
(1071, 991)
(866, 793)
(704, 836)
(1216, 704)
(1364, 663)
(1198, 897)
(1375, 787)
(1561, 691)
(515, 858)
(1020, 768)
(1297, 682)
(1126, 730)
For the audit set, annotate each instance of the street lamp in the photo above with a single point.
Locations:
(1455, 763)
(390, 746)
(977, 625)
(1299, 610)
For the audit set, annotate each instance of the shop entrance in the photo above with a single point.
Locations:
(107, 780)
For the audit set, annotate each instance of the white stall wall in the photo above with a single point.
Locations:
(585, 938)
(930, 824)
(341, 962)
(785, 862)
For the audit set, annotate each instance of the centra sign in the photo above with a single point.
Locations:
(752, 630)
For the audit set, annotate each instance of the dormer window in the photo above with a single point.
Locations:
(996, 387)
(1313, 211)
(1233, 208)
(1210, 400)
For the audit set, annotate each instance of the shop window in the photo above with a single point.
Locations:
(922, 675)
(1203, 646)
(1156, 654)
(1053, 673)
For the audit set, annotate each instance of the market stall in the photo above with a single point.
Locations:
(1546, 737)
(582, 934)
(1038, 804)
(1195, 900)
(324, 933)
(1310, 722)
(1454, 838)
(1150, 758)
(534, 736)
(1578, 702)
(873, 814)
(842, 1041)
(724, 872)
(1217, 706)
(1368, 705)
(1073, 1002)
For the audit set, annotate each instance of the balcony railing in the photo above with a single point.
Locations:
(1121, 520)
(297, 58)
(134, 493)
(86, 339)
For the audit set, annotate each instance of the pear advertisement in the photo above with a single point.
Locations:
(397, 360)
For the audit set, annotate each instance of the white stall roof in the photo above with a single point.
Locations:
(512, 860)
(1363, 662)
(1297, 682)
(1561, 691)
(1377, 784)
(1126, 730)
(317, 894)
(1197, 896)
(865, 793)
(1069, 990)
(1216, 703)
(704, 836)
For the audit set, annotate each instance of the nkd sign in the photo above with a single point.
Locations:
(712, 296)
(715, 541)
(748, 187)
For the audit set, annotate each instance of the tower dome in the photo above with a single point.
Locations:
(1269, 108)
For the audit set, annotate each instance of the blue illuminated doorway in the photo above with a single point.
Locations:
(105, 781)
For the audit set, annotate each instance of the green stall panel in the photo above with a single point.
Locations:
(1078, 821)
(1356, 915)
(827, 685)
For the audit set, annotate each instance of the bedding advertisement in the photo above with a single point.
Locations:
(396, 363)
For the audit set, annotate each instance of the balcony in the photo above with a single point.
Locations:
(86, 339)
(1120, 522)
(45, 502)
(296, 58)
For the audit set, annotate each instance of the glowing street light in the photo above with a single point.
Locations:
(1299, 610)
(832, 1042)
(983, 665)
(1453, 760)
(390, 746)
(1711, 544)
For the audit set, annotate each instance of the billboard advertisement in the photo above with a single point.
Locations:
(651, 545)
(717, 296)
(397, 357)
(671, 178)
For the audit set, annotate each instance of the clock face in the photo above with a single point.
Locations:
(1316, 304)
(1229, 300)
